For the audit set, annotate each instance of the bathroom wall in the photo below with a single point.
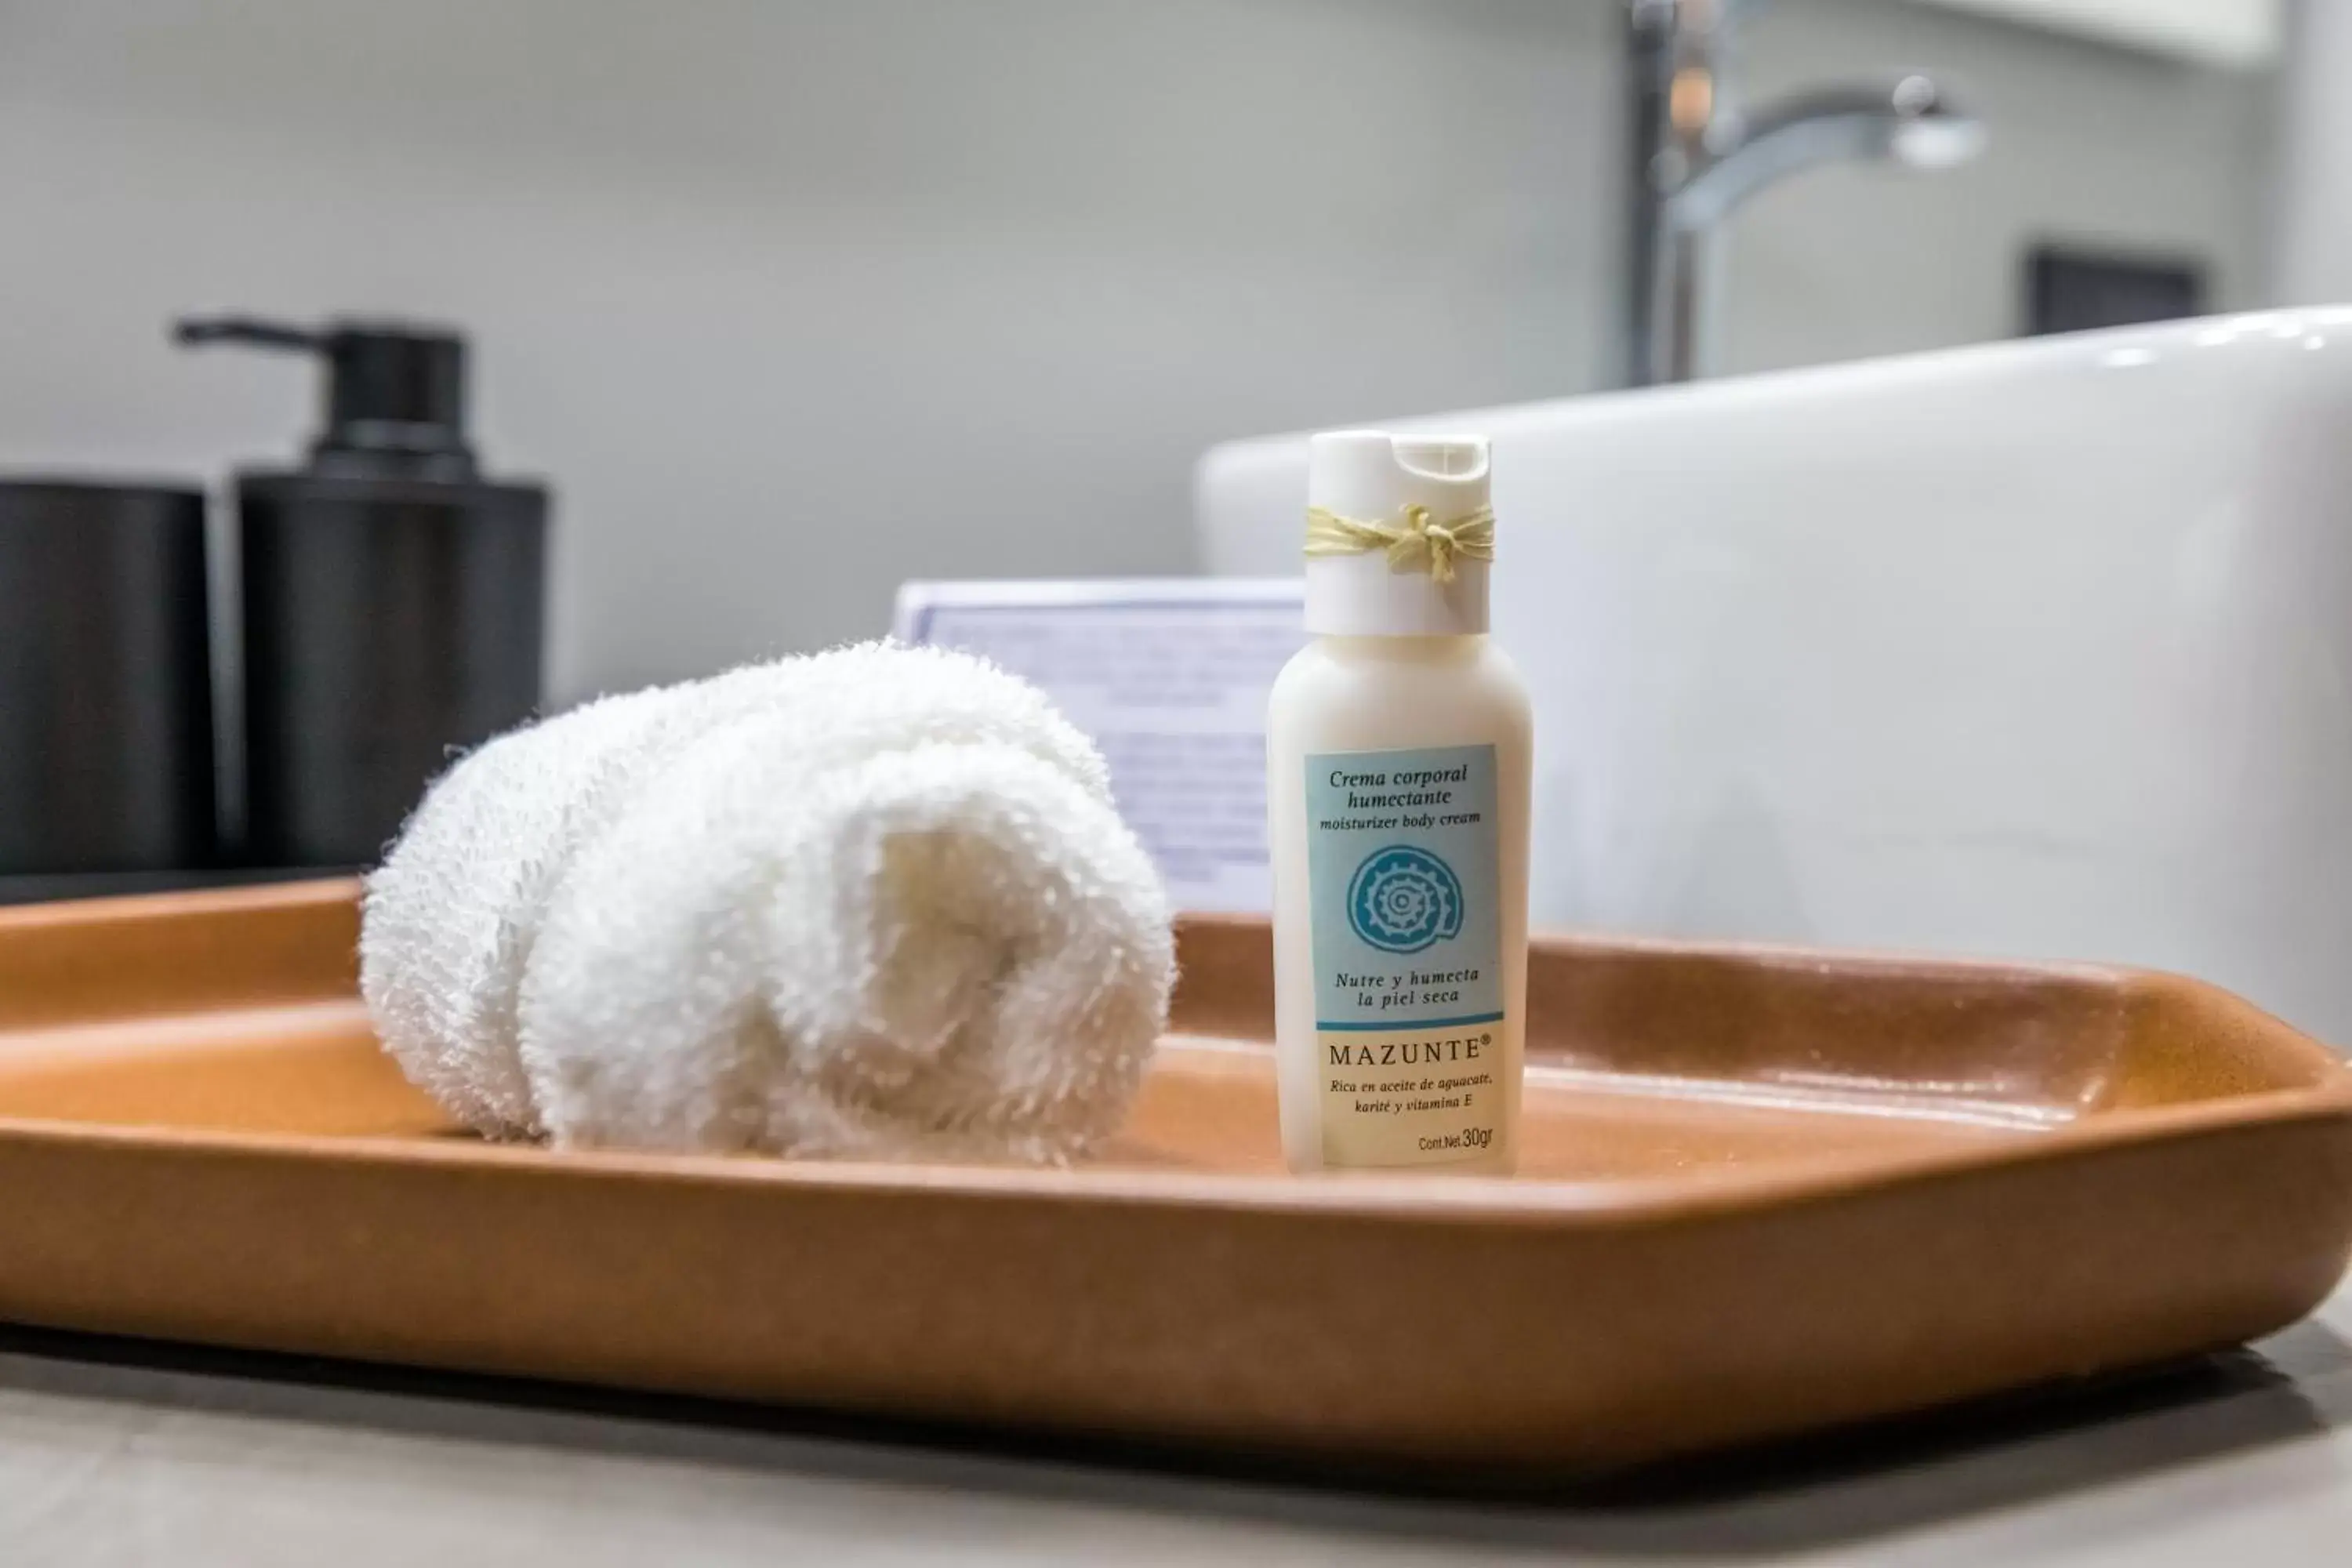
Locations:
(2239, 32)
(795, 299)
(2310, 207)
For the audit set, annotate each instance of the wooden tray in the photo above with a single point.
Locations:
(1766, 1191)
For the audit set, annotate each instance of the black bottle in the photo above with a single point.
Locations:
(106, 715)
(391, 598)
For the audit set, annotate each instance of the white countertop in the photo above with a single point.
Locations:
(116, 1454)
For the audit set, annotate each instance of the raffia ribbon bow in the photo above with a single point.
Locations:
(1411, 546)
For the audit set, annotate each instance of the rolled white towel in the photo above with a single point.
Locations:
(451, 915)
(878, 904)
(953, 951)
(454, 913)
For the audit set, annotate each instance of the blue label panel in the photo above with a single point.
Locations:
(1401, 867)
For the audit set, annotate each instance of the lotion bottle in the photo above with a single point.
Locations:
(1399, 748)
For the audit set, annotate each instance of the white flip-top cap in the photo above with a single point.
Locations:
(1374, 476)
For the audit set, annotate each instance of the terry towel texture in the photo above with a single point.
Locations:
(874, 902)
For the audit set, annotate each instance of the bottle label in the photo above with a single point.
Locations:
(1403, 893)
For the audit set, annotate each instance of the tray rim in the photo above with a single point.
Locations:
(1611, 1204)
(1475, 1201)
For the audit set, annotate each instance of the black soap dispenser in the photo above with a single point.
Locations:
(392, 598)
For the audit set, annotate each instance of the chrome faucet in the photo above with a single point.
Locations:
(1697, 156)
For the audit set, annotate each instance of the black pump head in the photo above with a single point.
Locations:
(395, 392)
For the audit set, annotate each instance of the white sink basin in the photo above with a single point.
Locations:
(2037, 649)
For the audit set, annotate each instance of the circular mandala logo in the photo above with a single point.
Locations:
(1402, 898)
